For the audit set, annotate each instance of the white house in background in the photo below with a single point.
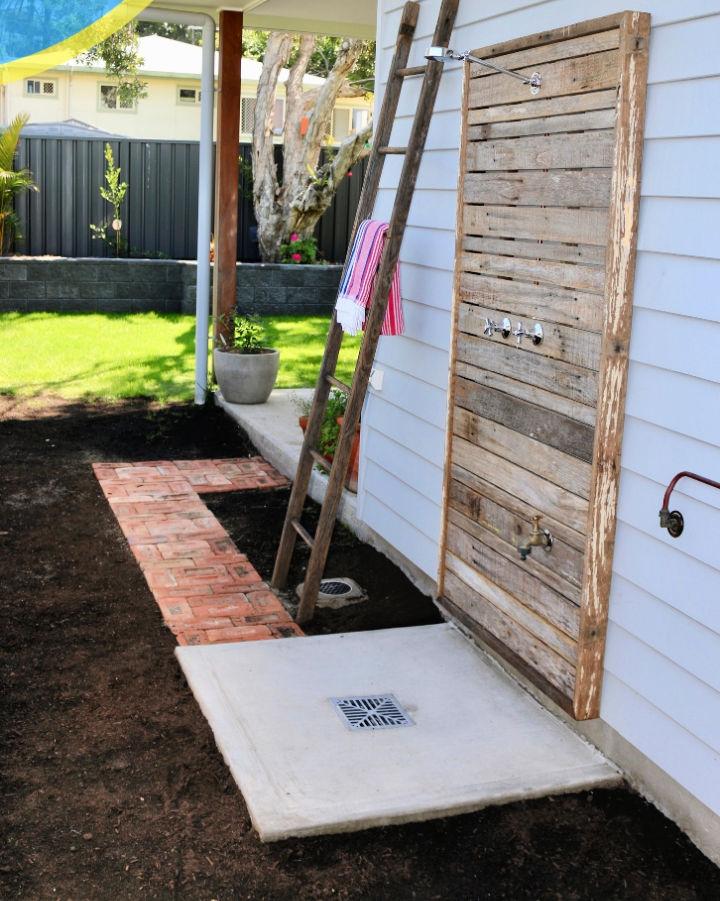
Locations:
(660, 709)
(171, 109)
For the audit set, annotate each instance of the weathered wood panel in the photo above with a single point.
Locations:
(571, 345)
(568, 76)
(548, 462)
(580, 122)
(536, 250)
(527, 416)
(559, 151)
(538, 223)
(547, 221)
(509, 270)
(583, 187)
(546, 53)
(539, 107)
(556, 376)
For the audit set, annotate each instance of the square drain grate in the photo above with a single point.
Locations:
(371, 712)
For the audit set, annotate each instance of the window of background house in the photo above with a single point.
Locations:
(40, 87)
(247, 114)
(279, 116)
(341, 124)
(360, 119)
(109, 99)
(188, 96)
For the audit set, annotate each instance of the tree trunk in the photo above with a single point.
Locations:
(306, 191)
(266, 189)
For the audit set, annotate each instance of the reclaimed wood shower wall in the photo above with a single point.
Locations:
(547, 224)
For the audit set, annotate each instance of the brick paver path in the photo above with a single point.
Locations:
(206, 589)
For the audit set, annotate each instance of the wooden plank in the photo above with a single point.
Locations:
(594, 120)
(622, 246)
(545, 53)
(507, 497)
(537, 250)
(570, 345)
(537, 655)
(502, 530)
(546, 223)
(547, 462)
(535, 107)
(560, 187)
(567, 76)
(495, 646)
(520, 392)
(507, 603)
(530, 419)
(566, 307)
(226, 172)
(559, 617)
(564, 379)
(567, 280)
(557, 151)
(551, 36)
(548, 498)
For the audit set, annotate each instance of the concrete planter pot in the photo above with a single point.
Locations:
(246, 378)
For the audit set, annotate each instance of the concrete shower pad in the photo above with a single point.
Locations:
(477, 738)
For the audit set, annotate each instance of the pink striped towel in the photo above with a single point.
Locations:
(356, 288)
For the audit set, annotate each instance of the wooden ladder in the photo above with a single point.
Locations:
(319, 544)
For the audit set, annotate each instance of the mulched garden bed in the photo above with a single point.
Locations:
(111, 786)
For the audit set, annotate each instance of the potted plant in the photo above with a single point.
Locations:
(245, 369)
(330, 432)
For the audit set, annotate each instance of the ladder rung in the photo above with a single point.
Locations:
(320, 460)
(409, 71)
(302, 532)
(384, 151)
(336, 383)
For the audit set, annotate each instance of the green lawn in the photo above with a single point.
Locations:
(110, 356)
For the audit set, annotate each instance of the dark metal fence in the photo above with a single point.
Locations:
(160, 210)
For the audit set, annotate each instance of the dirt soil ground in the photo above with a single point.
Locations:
(111, 786)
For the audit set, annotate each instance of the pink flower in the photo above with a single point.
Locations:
(349, 175)
(294, 237)
(296, 257)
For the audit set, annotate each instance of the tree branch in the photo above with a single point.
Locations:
(317, 196)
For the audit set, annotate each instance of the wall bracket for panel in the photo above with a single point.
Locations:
(445, 54)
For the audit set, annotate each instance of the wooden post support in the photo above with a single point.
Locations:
(226, 169)
(619, 281)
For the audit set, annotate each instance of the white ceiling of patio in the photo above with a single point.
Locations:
(356, 19)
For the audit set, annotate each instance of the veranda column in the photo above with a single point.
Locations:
(226, 168)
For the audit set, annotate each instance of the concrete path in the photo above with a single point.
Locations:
(273, 429)
(476, 737)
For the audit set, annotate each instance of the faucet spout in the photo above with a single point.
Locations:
(538, 537)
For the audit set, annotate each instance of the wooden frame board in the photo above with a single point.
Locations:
(547, 216)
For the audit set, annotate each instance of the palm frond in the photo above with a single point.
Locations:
(9, 140)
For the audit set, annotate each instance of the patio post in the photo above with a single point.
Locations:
(226, 170)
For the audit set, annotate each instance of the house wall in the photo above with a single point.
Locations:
(159, 116)
(662, 677)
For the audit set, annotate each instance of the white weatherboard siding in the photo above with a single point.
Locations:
(662, 680)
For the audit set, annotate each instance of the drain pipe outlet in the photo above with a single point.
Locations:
(205, 183)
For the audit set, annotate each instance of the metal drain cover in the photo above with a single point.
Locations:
(336, 593)
(371, 712)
